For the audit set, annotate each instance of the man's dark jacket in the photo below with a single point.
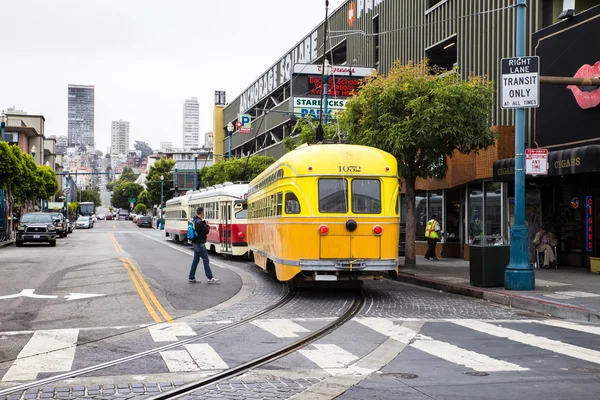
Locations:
(202, 228)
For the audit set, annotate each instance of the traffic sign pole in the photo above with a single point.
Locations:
(519, 273)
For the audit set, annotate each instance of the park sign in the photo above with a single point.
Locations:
(520, 82)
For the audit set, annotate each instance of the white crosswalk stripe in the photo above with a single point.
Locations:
(329, 356)
(282, 328)
(532, 340)
(198, 357)
(446, 351)
(46, 351)
(170, 332)
(594, 330)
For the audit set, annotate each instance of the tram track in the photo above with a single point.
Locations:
(191, 387)
(280, 303)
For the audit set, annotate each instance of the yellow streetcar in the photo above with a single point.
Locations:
(326, 212)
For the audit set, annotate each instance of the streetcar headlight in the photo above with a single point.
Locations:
(377, 230)
(241, 235)
(323, 230)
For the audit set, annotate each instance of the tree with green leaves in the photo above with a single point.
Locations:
(127, 175)
(73, 207)
(305, 131)
(144, 198)
(162, 167)
(90, 196)
(235, 169)
(420, 116)
(123, 192)
(143, 147)
(140, 208)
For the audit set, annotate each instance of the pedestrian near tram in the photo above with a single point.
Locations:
(432, 233)
(201, 229)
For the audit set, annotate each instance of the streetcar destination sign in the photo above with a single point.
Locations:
(520, 82)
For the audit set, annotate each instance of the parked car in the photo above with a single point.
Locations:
(132, 216)
(36, 227)
(101, 217)
(135, 219)
(85, 221)
(123, 214)
(62, 229)
(109, 217)
(144, 221)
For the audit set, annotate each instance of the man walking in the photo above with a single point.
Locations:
(199, 245)
(432, 233)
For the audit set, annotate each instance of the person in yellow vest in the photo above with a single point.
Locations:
(432, 233)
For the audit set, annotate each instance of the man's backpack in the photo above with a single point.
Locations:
(192, 235)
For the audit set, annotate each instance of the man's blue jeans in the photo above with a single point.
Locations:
(200, 253)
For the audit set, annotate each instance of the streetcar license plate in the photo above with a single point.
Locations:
(36, 236)
(325, 278)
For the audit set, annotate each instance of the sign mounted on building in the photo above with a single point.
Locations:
(520, 82)
(589, 224)
(536, 161)
(305, 52)
(219, 98)
(244, 124)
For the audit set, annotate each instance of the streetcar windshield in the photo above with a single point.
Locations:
(242, 214)
(333, 195)
(366, 196)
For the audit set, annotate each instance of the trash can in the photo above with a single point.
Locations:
(488, 258)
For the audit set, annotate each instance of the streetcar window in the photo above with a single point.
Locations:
(292, 205)
(366, 196)
(184, 214)
(279, 202)
(333, 195)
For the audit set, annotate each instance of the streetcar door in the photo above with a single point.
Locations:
(225, 226)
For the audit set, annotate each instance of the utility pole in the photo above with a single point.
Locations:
(519, 273)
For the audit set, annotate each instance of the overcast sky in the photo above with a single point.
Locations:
(145, 57)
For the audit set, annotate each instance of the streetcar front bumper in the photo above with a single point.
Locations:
(333, 270)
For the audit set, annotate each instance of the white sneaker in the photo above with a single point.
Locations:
(213, 280)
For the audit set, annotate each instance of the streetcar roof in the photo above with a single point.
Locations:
(178, 200)
(237, 190)
(326, 159)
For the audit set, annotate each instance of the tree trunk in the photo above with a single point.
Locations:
(410, 257)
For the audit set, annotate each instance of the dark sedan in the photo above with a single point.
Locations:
(144, 221)
(36, 227)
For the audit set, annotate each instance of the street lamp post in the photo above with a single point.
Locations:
(175, 186)
(229, 133)
(162, 197)
(195, 171)
(2, 220)
(326, 74)
(67, 193)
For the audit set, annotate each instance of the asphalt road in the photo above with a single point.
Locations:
(407, 342)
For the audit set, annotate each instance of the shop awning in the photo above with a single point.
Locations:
(577, 160)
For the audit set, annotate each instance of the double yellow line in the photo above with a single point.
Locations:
(141, 286)
(115, 243)
(148, 298)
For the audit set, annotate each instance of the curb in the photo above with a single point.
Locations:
(7, 243)
(546, 307)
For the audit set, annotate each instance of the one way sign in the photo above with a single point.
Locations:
(520, 82)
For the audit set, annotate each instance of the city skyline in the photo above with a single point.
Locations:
(117, 51)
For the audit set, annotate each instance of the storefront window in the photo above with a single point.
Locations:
(420, 214)
(493, 208)
(435, 207)
(453, 216)
(475, 211)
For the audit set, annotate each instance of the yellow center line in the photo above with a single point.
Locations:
(118, 247)
(153, 313)
(157, 304)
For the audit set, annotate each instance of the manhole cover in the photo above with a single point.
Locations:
(476, 373)
(586, 370)
(400, 375)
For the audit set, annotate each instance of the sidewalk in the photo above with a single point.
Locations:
(571, 293)
(7, 243)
